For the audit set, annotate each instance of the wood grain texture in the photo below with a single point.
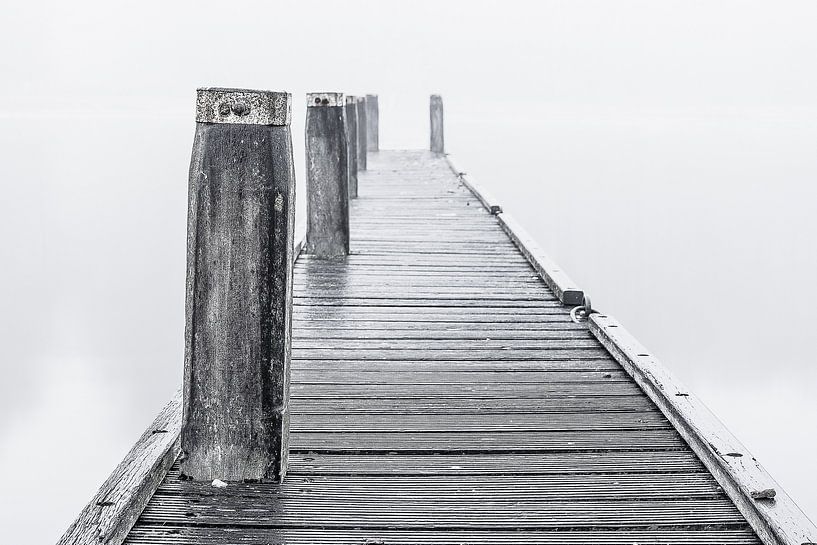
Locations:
(553, 275)
(484, 196)
(116, 506)
(441, 393)
(238, 308)
(373, 120)
(436, 124)
(327, 181)
(777, 520)
(362, 135)
(351, 143)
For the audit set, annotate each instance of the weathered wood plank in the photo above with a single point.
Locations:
(776, 520)
(183, 535)
(373, 510)
(553, 275)
(472, 442)
(490, 202)
(459, 406)
(550, 463)
(472, 488)
(483, 422)
(116, 506)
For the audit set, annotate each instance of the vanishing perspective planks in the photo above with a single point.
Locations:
(442, 394)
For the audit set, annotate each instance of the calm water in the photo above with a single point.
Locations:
(695, 231)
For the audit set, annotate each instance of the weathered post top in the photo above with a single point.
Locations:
(324, 99)
(238, 309)
(327, 176)
(373, 120)
(362, 145)
(243, 106)
(436, 112)
(351, 143)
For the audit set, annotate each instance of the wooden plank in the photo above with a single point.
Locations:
(472, 442)
(460, 366)
(483, 195)
(375, 422)
(351, 375)
(470, 488)
(738, 472)
(443, 344)
(305, 511)
(120, 500)
(183, 535)
(553, 275)
(521, 465)
(340, 301)
(478, 390)
(462, 406)
(450, 355)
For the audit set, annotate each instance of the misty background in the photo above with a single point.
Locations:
(663, 153)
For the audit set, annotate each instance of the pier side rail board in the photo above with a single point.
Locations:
(116, 506)
(777, 520)
(771, 512)
(556, 279)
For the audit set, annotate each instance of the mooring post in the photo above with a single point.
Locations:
(362, 138)
(372, 123)
(351, 143)
(241, 217)
(327, 176)
(436, 110)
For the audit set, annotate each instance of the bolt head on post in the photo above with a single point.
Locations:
(314, 100)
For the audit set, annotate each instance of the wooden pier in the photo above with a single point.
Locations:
(441, 393)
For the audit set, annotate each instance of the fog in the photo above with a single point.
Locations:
(663, 153)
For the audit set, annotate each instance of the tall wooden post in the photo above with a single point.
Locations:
(362, 137)
(327, 176)
(372, 120)
(436, 110)
(241, 216)
(351, 143)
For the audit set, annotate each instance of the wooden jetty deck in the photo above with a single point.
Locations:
(447, 383)
(442, 394)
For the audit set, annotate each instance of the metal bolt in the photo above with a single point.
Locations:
(239, 108)
(224, 108)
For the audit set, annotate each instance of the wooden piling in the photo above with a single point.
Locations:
(362, 144)
(327, 176)
(351, 143)
(436, 111)
(372, 120)
(241, 216)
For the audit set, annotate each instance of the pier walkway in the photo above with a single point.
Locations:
(442, 394)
